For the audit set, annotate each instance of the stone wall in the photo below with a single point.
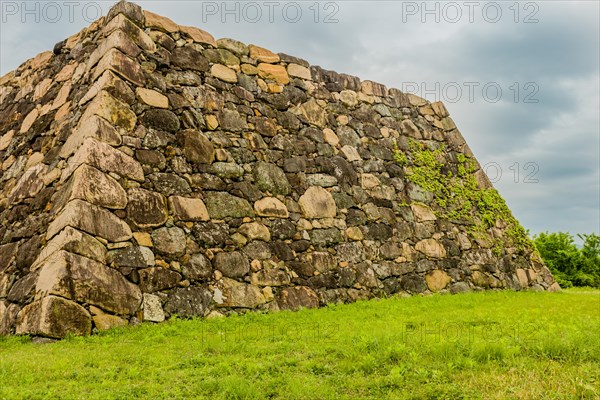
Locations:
(148, 170)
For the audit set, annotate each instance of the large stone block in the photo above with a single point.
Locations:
(297, 297)
(139, 37)
(87, 281)
(91, 219)
(437, 280)
(271, 207)
(188, 209)
(189, 302)
(128, 9)
(196, 147)
(232, 264)
(115, 111)
(222, 205)
(114, 60)
(159, 22)
(94, 127)
(53, 317)
(89, 184)
(158, 278)
(146, 209)
(113, 85)
(73, 241)
(116, 40)
(169, 241)
(431, 248)
(317, 202)
(231, 293)
(270, 178)
(105, 158)
(198, 35)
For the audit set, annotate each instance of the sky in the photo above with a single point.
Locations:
(521, 79)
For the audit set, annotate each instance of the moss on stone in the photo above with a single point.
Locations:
(458, 196)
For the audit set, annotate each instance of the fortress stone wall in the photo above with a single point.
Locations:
(148, 170)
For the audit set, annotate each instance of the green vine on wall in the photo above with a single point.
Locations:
(458, 196)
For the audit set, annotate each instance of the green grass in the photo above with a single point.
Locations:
(492, 345)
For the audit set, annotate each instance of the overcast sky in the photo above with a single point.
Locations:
(520, 79)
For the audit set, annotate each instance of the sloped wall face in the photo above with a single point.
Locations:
(149, 170)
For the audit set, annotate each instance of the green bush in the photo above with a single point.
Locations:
(571, 265)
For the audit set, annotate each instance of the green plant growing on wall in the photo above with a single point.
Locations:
(458, 196)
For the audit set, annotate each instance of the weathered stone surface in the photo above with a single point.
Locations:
(373, 88)
(91, 219)
(122, 65)
(313, 113)
(317, 202)
(162, 120)
(123, 23)
(153, 310)
(271, 207)
(272, 72)
(431, 248)
(152, 98)
(170, 184)
(89, 184)
(522, 277)
(223, 73)
(222, 205)
(261, 54)
(255, 231)
(103, 321)
(53, 317)
(270, 178)
(231, 120)
(198, 267)
(169, 241)
(125, 8)
(105, 158)
(234, 46)
(198, 35)
(299, 71)
(196, 147)
(130, 257)
(189, 58)
(95, 127)
(227, 170)
(159, 22)
(146, 209)
(270, 277)
(87, 281)
(8, 317)
(231, 293)
(188, 209)
(115, 111)
(112, 84)
(413, 283)
(115, 40)
(30, 184)
(297, 297)
(422, 212)
(189, 302)
(232, 264)
(76, 242)
(158, 278)
(437, 280)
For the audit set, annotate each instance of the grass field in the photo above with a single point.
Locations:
(493, 345)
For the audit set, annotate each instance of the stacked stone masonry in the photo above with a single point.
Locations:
(148, 170)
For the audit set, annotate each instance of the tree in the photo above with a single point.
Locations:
(571, 266)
